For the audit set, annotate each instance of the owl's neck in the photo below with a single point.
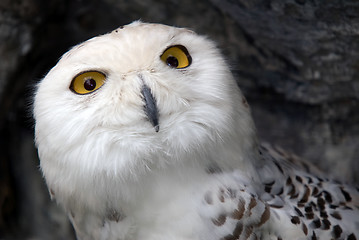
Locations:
(236, 151)
(234, 154)
(150, 190)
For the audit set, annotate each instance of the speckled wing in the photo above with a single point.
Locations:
(298, 193)
(292, 201)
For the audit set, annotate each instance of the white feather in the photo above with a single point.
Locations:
(120, 179)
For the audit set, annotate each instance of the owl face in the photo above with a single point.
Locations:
(137, 98)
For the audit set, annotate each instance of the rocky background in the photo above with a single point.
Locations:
(296, 61)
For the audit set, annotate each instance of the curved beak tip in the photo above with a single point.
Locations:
(157, 128)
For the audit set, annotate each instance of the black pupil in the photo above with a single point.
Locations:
(172, 61)
(90, 84)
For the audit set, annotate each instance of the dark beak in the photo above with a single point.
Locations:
(150, 107)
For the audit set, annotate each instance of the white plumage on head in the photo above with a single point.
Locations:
(143, 133)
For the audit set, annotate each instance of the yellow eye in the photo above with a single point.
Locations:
(87, 82)
(176, 56)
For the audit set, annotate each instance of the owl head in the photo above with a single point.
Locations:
(141, 97)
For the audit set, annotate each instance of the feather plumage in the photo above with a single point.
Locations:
(190, 166)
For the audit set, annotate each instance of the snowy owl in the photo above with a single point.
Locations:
(142, 133)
